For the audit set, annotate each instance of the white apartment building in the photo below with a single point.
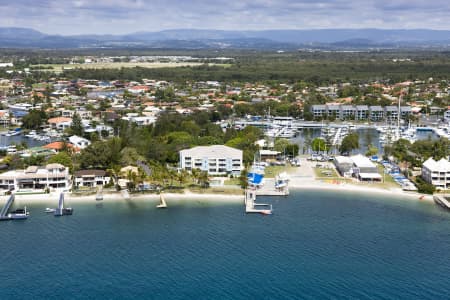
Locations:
(53, 176)
(216, 159)
(437, 173)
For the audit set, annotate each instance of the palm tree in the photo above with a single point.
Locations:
(181, 176)
(195, 175)
(203, 179)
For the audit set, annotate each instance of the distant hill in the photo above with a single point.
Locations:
(203, 39)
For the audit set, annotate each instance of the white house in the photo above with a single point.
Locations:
(437, 173)
(53, 176)
(79, 141)
(90, 178)
(216, 159)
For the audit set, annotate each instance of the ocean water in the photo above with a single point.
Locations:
(316, 245)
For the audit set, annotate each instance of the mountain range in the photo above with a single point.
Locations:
(12, 37)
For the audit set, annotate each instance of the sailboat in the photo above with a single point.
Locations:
(162, 202)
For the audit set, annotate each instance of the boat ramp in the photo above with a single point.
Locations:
(61, 210)
(442, 201)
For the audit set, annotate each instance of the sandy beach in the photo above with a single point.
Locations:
(304, 178)
(53, 198)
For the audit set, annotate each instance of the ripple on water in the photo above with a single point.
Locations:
(318, 244)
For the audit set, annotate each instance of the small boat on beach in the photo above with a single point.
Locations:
(99, 195)
(162, 202)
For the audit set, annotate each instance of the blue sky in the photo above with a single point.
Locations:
(125, 16)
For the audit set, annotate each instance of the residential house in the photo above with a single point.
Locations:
(52, 176)
(79, 141)
(60, 123)
(90, 178)
(437, 173)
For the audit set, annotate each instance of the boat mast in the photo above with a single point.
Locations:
(398, 115)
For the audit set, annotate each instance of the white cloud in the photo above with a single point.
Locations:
(123, 16)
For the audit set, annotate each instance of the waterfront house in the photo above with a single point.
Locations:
(216, 159)
(60, 123)
(90, 178)
(52, 176)
(61, 146)
(79, 141)
(437, 173)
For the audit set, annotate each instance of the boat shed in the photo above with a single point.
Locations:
(364, 169)
(344, 165)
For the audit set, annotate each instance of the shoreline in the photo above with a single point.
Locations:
(52, 198)
(348, 187)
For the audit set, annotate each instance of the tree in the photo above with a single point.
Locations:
(203, 179)
(62, 158)
(243, 181)
(319, 144)
(34, 119)
(182, 176)
(349, 143)
(77, 125)
(371, 151)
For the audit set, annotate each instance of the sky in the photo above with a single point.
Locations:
(71, 17)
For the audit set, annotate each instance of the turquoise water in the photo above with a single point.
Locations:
(317, 245)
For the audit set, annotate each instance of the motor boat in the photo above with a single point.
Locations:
(50, 210)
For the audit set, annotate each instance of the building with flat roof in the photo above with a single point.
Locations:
(216, 159)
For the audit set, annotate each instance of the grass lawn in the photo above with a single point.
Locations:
(272, 171)
(326, 173)
(232, 181)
